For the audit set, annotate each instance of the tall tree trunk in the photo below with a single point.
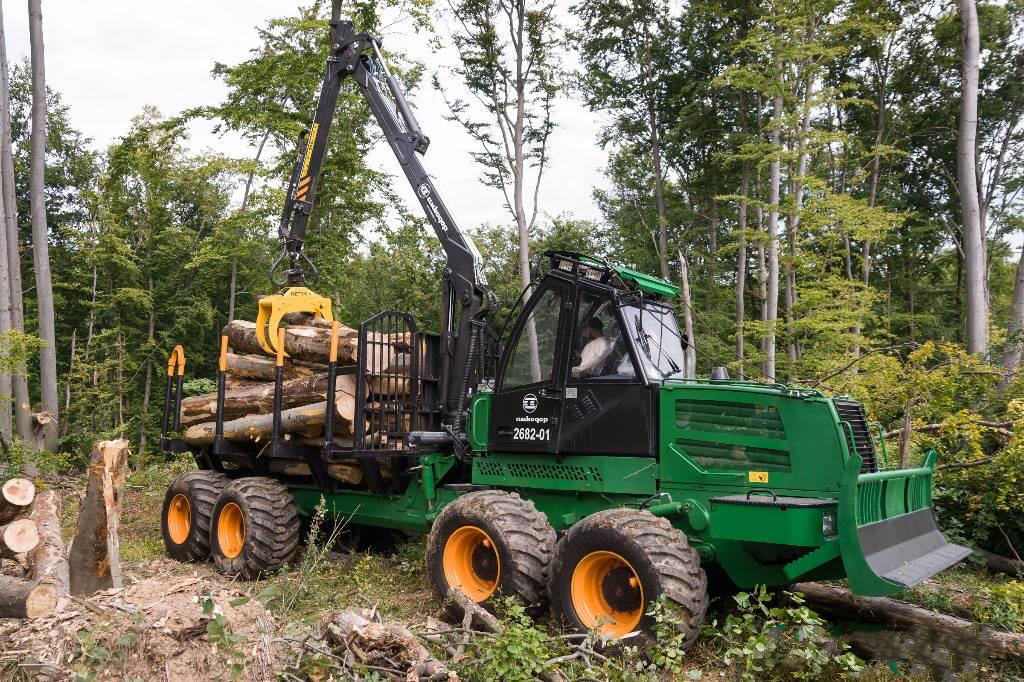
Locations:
(741, 267)
(1014, 330)
(967, 166)
(148, 385)
(40, 233)
(19, 379)
(245, 203)
(659, 188)
(774, 181)
(793, 226)
(690, 354)
(6, 423)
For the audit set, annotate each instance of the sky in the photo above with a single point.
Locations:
(110, 58)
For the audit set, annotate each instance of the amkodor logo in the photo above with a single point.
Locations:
(424, 190)
(529, 403)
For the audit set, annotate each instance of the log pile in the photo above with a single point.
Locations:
(249, 388)
(30, 537)
(27, 519)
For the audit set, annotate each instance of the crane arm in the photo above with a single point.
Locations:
(357, 56)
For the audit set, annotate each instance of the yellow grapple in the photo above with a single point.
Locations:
(292, 300)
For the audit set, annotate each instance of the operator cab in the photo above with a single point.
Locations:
(584, 360)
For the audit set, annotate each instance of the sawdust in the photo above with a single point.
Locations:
(155, 628)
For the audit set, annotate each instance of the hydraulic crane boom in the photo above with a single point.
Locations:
(466, 296)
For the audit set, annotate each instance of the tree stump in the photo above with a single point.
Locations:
(95, 553)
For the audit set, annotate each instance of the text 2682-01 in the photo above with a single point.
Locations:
(526, 433)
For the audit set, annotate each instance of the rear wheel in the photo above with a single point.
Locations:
(185, 517)
(255, 528)
(490, 542)
(610, 566)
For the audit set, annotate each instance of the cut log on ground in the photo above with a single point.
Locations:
(260, 427)
(16, 497)
(300, 342)
(259, 398)
(25, 598)
(1001, 564)
(261, 368)
(842, 602)
(95, 552)
(383, 645)
(18, 537)
(47, 561)
(474, 612)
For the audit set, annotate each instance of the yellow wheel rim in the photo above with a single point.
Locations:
(231, 530)
(606, 594)
(179, 519)
(471, 563)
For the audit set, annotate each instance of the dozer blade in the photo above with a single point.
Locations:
(888, 536)
(293, 300)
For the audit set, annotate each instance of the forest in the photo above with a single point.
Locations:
(837, 186)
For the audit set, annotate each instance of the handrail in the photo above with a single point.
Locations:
(881, 440)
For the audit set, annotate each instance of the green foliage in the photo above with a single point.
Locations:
(106, 650)
(766, 642)
(230, 645)
(520, 653)
(198, 386)
(1004, 606)
(667, 649)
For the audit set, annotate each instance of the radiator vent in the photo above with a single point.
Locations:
(732, 435)
(853, 414)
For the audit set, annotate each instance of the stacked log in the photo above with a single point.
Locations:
(250, 392)
(21, 536)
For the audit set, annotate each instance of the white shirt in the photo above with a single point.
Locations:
(593, 354)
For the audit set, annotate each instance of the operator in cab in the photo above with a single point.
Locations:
(595, 351)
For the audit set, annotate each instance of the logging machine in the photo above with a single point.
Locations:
(566, 460)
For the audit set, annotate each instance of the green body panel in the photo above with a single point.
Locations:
(479, 421)
(716, 440)
(590, 473)
(648, 283)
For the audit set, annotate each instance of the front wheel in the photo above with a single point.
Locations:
(255, 528)
(490, 542)
(610, 566)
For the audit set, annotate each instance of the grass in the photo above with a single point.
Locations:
(972, 593)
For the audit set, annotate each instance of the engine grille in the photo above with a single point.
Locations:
(853, 414)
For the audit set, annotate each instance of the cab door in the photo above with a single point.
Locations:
(527, 403)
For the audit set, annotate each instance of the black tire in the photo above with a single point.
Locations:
(523, 543)
(185, 516)
(255, 528)
(661, 561)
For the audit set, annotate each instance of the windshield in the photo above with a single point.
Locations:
(655, 333)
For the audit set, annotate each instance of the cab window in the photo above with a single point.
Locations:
(599, 347)
(533, 356)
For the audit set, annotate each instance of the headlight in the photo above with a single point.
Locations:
(828, 524)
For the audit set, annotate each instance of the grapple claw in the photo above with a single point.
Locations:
(293, 300)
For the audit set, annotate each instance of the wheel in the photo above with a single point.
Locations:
(490, 542)
(611, 565)
(255, 528)
(185, 517)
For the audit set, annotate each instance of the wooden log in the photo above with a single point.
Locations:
(16, 497)
(261, 368)
(840, 601)
(1001, 564)
(300, 342)
(26, 599)
(260, 398)
(259, 427)
(346, 473)
(388, 386)
(477, 614)
(18, 537)
(95, 552)
(47, 563)
(386, 645)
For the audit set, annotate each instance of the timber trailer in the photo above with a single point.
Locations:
(593, 491)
